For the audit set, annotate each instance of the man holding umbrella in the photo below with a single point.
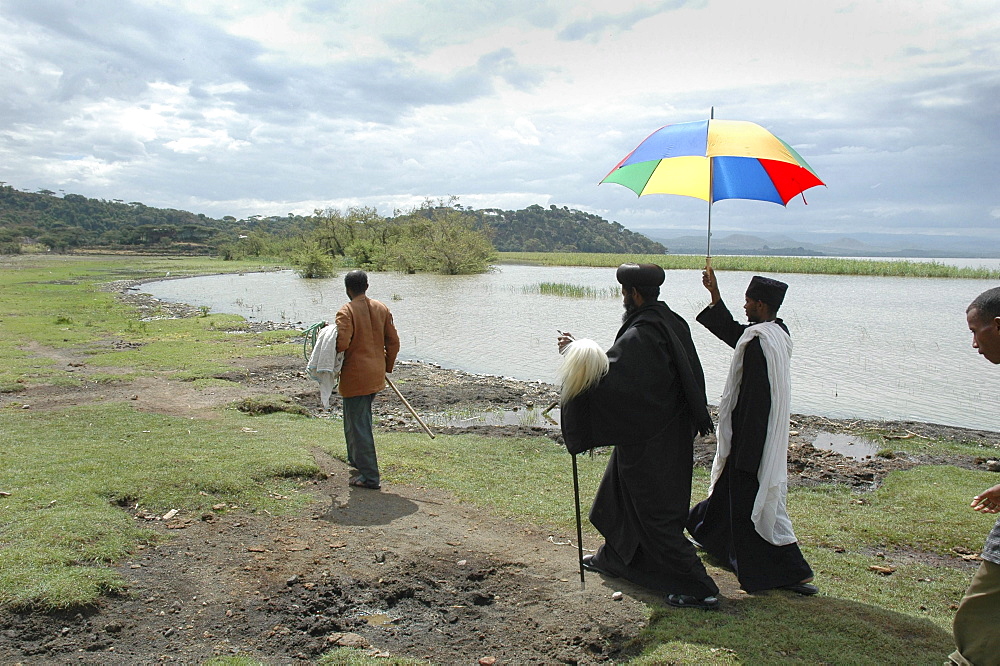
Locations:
(648, 406)
(743, 523)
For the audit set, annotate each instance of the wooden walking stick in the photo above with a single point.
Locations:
(579, 524)
(409, 407)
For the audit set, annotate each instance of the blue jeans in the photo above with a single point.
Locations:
(359, 438)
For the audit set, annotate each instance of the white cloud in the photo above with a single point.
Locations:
(206, 142)
(523, 132)
(251, 107)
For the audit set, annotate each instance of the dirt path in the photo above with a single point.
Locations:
(406, 571)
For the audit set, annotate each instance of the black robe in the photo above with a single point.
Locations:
(721, 524)
(648, 407)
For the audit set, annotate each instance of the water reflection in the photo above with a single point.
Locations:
(538, 417)
(866, 347)
(849, 446)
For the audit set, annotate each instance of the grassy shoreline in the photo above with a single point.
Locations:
(71, 469)
(758, 264)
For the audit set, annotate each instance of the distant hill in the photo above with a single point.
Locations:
(740, 244)
(554, 229)
(74, 221)
(818, 245)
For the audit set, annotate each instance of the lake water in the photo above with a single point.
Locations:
(864, 347)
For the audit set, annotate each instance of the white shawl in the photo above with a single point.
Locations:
(325, 363)
(769, 515)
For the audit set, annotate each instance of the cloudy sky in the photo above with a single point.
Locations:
(243, 107)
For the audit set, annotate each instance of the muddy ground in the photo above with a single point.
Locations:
(406, 571)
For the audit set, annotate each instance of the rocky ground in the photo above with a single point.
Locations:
(406, 571)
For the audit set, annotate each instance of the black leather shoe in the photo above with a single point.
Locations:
(359, 482)
(687, 601)
(588, 564)
(805, 589)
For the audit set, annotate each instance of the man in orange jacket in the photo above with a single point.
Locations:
(368, 338)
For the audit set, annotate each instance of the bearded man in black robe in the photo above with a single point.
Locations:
(648, 406)
(744, 522)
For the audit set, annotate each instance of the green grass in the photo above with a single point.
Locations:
(911, 524)
(892, 441)
(54, 303)
(831, 266)
(570, 290)
(777, 629)
(71, 471)
(536, 472)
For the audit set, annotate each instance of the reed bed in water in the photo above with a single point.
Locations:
(569, 290)
(755, 264)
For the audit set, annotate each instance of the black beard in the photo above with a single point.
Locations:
(630, 308)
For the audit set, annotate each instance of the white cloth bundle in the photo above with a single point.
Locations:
(325, 363)
(769, 514)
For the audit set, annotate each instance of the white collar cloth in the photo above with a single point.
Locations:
(769, 514)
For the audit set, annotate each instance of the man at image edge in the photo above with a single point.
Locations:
(977, 621)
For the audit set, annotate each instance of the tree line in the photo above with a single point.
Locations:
(440, 236)
(553, 229)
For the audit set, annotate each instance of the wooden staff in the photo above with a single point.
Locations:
(579, 524)
(409, 407)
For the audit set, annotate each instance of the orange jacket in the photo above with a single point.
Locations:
(367, 337)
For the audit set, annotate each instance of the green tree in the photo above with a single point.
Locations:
(335, 232)
(443, 239)
(313, 262)
(254, 244)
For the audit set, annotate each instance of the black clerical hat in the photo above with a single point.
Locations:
(767, 290)
(640, 275)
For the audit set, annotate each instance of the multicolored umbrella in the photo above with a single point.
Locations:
(715, 160)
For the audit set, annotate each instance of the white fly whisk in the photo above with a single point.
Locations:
(584, 364)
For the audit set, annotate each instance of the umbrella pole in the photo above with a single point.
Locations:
(708, 250)
(579, 525)
(711, 184)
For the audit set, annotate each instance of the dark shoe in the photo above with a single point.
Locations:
(588, 564)
(805, 589)
(687, 601)
(359, 482)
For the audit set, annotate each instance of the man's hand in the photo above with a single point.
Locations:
(708, 279)
(563, 340)
(987, 501)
